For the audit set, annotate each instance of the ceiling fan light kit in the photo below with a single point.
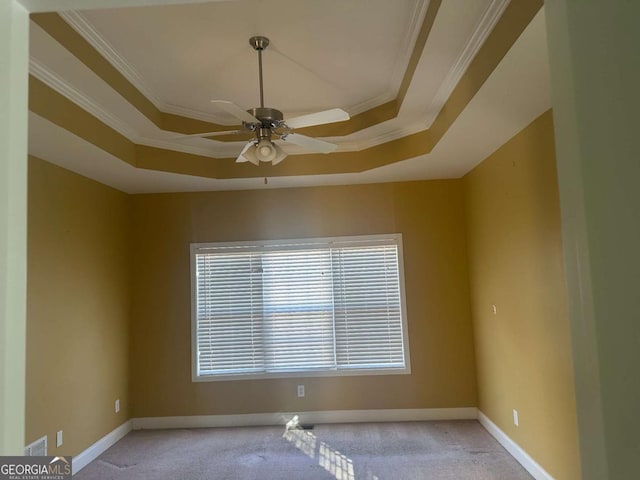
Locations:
(263, 151)
(265, 123)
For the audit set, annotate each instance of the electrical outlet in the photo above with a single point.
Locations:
(516, 421)
(117, 406)
(300, 390)
(59, 438)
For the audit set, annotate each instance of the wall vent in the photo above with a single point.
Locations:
(37, 448)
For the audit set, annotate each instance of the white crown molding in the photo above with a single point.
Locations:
(218, 149)
(196, 114)
(391, 135)
(373, 102)
(215, 149)
(81, 25)
(230, 149)
(400, 65)
(60, 5)
(484, 27)
(49, 78)
(408, 45)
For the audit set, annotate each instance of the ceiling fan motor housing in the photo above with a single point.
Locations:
(269, 117)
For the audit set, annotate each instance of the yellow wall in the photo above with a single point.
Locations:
(77, 308)
(95, 252)
(430, 215)
(515, 261)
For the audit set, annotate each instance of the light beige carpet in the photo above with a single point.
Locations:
(455, 450)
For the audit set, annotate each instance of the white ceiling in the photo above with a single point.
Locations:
(308, 65)
(325, 54)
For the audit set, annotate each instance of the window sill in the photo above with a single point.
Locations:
(302, 374)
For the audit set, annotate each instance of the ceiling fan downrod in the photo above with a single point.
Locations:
(269, 118)
(259, 44)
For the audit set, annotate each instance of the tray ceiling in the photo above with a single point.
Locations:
(430, 87)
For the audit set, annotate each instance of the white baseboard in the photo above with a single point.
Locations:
(331, 416)
(91, 453)
(514, 449)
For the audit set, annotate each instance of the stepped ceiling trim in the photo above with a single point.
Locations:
(48, 100)
(123, 81)
(476, 40)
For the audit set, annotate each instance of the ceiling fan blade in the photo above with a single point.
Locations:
(318, 118)
(235, 110)
(208, 134)
(309, 143)
(246, 155)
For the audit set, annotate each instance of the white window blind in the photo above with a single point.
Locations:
(316, 306)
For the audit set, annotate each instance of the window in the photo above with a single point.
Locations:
(329, 306)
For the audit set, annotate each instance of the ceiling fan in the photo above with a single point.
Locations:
(268, 123)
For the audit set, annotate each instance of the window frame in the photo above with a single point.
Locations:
(262, 245)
